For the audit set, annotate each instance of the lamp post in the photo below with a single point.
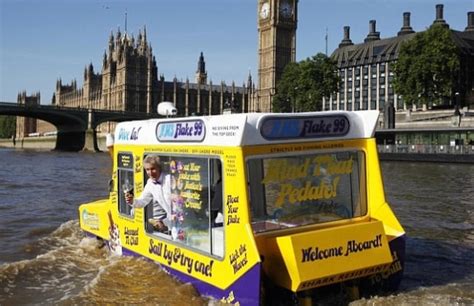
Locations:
(227, 107)
(293, 107)
(457, 112)
(456, 100)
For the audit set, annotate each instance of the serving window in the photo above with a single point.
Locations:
(195, 215)
(303, 189)
(125, 181)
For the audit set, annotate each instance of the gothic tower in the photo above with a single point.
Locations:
(201, 73)
(25, 125)
(129, 74)
(277, 21)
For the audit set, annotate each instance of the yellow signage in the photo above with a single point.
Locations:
(319, 258)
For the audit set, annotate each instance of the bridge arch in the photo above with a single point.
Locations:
(76, 126)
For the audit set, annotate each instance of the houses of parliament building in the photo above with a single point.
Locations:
(129, 79)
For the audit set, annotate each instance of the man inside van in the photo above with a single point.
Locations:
(157, 191)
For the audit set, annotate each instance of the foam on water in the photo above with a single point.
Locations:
(74, 270)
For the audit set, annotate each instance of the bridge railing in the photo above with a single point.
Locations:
(77, 108)
(427, 149)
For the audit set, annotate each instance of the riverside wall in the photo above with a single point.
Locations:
(42, 143)
(49, 142)
(424, 157)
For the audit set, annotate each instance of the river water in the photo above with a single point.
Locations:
(45, 258)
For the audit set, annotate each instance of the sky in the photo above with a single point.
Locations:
(44, 40)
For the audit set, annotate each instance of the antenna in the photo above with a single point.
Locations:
(326, 38)
(126, 21)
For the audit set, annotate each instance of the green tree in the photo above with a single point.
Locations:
(304, 84)
(7, 126)
(427, 67)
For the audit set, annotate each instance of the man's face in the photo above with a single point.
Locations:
(152, 171)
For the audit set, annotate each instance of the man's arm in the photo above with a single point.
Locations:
(144, 199)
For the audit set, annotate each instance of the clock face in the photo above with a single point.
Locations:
(286, 9)
(265, 10)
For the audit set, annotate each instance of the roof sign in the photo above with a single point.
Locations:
(189, 130)
(277, 128)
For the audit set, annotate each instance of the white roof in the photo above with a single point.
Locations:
(249, 128)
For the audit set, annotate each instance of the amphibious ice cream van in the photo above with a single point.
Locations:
(265, 208)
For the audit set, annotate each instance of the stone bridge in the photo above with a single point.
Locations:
(76, 126)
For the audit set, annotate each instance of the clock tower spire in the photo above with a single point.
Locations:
(277, 22)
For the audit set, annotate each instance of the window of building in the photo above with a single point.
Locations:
(400, 102)
(364, 103)
(382, 102)
(381, 105)
(193, 188)
(336, 182)
(391, 98)
(379, 49)
(373, 104)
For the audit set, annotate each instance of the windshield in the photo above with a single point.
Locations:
(302, 189)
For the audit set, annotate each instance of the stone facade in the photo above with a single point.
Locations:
(277, 23)
(26, 126)
(129, 81)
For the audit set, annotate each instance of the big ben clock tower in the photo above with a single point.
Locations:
(276, 46)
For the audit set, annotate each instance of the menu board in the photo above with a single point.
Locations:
(189, 197)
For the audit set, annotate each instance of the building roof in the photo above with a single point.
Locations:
(464, 41)
(375, 51)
